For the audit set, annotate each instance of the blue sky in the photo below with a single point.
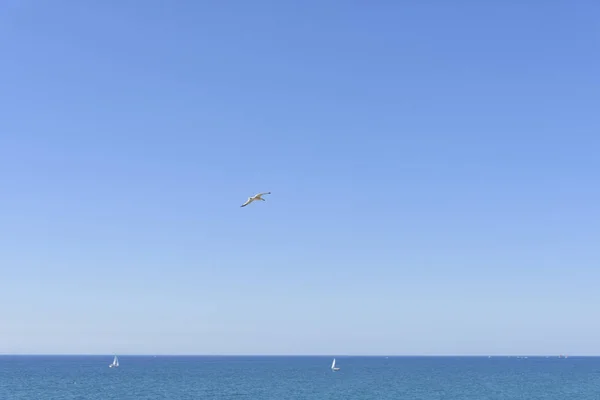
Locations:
(434, 168)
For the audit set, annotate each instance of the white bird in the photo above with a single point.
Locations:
(253, 198)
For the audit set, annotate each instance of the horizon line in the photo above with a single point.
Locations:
(295, 355)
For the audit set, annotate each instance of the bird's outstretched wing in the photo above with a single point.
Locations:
(260, 194)
(247, 202)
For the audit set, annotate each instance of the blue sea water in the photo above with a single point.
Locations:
(307, 378)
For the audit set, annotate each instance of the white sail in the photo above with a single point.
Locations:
(115, 363)
(333, 367)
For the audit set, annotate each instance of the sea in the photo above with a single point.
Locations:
(301, 378)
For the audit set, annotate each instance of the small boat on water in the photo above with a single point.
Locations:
(333, 367)
(115, 363)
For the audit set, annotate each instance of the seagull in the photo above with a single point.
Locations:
(255, 197)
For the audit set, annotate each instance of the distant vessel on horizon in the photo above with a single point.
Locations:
(115, 363)
(333, 367)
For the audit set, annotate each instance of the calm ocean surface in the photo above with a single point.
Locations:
(266, 378)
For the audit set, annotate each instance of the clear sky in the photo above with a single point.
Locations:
(434, 168)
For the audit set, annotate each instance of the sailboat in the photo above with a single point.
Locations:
(115, 363)
(333, 367)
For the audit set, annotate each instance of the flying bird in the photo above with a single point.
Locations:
(255, 197)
